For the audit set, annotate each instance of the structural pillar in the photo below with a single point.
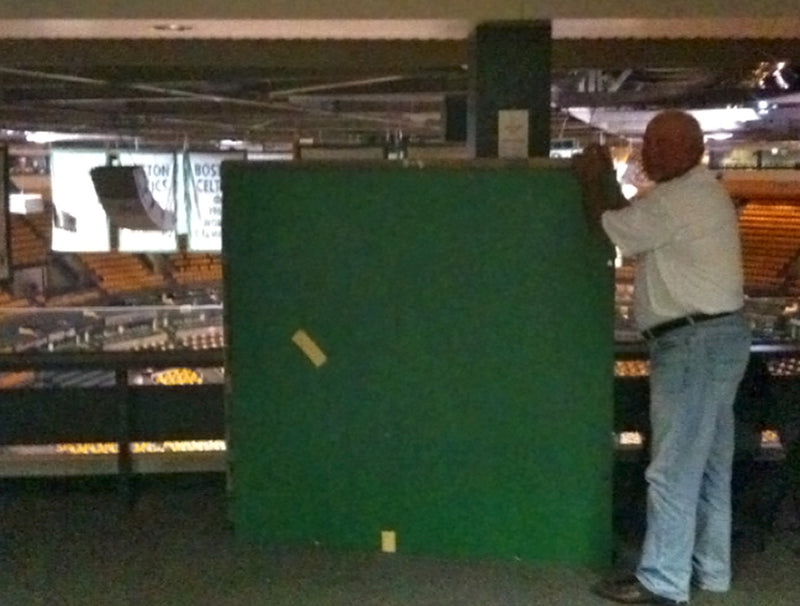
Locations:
(509, 93)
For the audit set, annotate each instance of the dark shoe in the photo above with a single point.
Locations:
(628, 590)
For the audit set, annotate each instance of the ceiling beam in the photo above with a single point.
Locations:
(388, 9)
(716, 54)
(339, 57)
(377, 56)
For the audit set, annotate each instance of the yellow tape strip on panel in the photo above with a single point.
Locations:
(309, 347)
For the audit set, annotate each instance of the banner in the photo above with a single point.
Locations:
(203, 191)
(187, 183)
(5, 240)
(80, 222)
(162, 179)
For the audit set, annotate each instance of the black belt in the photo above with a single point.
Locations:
(659, 329)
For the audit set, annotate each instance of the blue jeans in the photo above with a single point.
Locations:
(694, 375)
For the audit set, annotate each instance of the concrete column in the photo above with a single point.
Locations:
(510, 87)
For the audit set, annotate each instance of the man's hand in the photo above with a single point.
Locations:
(599, 190)
(593, 165)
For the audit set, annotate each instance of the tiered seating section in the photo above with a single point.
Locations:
(8, 300)
(121, 272)
(206, 340)
(114, 273)
(42, 224)
(75, 299)
(631, 368)
(28, 247)
(195, 268)
(770, 241)
(770, 232)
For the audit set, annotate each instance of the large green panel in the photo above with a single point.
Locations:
(466, 400)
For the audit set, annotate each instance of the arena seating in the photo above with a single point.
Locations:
(770, 240)
(770, 232)
(8, 300)
(75, 299)
(121, 272)
(193, 268)
(27, 246)
(770, 236)
(42, 224)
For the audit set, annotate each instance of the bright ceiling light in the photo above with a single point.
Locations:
(633, 123)
(172, 27)
(45, 137)
(778, 75)
(231, 144)
(720, 120)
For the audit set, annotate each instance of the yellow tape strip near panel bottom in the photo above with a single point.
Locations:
(309, 347)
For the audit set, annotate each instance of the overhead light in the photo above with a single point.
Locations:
(719, 136)
(231, 144)
(172, 27)
(776, 75)
(45, 137)
(785, 76)
(721, 120)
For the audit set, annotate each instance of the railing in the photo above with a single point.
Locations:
(111, 380)
(123, 412)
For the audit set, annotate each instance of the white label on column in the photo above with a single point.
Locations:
(309, 347)
(512, 133)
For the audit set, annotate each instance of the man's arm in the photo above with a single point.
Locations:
(599, 189)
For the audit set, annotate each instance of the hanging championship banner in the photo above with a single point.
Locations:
(162, 174)
(203, 191)
(80, 222)
(5, 240)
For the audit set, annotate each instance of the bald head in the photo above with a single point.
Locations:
(672, 146)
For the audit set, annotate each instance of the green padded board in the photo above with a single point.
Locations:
(466, 318)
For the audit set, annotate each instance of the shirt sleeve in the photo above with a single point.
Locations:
(640, 227)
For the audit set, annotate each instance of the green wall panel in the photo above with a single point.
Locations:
(466, 316)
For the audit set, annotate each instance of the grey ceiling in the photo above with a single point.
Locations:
(356, 91)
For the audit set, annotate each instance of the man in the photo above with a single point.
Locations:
(687, 303)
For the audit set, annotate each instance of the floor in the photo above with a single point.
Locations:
(74, 543)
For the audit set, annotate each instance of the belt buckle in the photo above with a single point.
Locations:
(659, 329)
